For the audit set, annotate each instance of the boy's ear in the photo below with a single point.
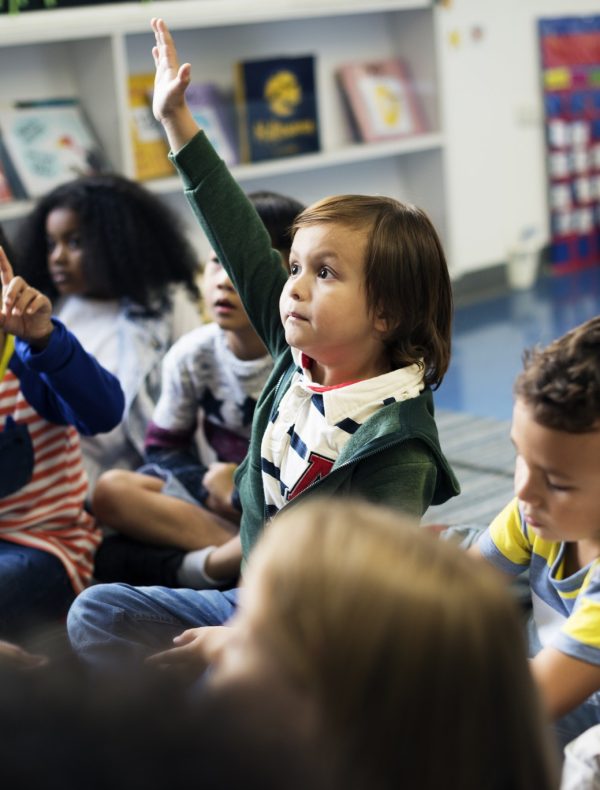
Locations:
(381, 323)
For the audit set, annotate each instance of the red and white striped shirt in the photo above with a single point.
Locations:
(48, 512)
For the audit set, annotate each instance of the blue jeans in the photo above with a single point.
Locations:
(112, 625)
(35, 590)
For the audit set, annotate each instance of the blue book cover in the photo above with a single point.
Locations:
(277, 108)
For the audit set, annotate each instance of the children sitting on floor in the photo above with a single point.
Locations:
(121, 273)
(359, 332)
(552, 527)
(212, 378)
(50, 390)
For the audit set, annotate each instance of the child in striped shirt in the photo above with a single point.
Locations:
(50, 391)
(552, 526)
(359, 330)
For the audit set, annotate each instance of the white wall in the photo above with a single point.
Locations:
(493, 117)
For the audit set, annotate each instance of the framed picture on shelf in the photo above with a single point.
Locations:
(381, 99)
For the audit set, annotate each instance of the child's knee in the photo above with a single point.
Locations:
(91, 610)
(110, 492)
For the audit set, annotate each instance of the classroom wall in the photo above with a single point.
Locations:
(491, 102)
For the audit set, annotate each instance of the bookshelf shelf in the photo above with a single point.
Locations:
(360, 152)
(89, 52)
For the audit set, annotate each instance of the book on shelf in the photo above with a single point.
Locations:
(381, 99)
(277, 107)
(45, 143)
(215, 114)
(150, 147)
(6, 192)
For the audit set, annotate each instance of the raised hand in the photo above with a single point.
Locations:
(25, 311)
(170, 82)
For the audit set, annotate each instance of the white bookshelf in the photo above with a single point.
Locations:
(89, 51)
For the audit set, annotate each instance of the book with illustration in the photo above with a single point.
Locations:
(6, 191)
(277, 107)
(150, 147)
(381, 99)
(214, 113)
(47, 142)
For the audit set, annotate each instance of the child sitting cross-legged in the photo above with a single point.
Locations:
(359, 331)
(50, 391)
(211, 380)
(552, 527)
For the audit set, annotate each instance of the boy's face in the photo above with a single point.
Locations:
(64, 252)
(557, 479)
(221, 299)
(323, 305)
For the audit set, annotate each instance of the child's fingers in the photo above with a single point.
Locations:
(12, 290)
(38, 302)
(19, 296)
(6, 271)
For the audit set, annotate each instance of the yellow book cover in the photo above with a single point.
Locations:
(150, 148)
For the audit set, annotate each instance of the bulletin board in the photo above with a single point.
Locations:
(570, 60)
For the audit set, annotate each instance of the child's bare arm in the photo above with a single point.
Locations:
(564, 682)
(225, 561)
(25, 312)
(171, 80)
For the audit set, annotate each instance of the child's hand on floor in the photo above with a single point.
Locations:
(25, 312)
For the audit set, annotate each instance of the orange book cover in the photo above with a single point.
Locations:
(150, 148)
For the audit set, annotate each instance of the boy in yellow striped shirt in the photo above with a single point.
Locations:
(552, 527)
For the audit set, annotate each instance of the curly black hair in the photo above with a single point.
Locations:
(133, 244)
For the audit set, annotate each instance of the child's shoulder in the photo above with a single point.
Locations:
(206, 338)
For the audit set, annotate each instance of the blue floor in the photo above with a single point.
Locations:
(490, 335)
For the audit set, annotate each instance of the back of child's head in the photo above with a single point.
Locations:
(406, 276)
(561, 382)
(133, 245)
(277, 213)
(412, 651)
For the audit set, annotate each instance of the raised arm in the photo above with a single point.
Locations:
(171, 80)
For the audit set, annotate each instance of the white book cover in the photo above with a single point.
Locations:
(48, 143)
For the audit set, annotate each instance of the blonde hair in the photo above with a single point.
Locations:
(412, 651)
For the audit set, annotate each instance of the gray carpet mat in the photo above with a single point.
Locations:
(482, 457)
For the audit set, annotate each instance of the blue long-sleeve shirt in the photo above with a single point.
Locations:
(66, 385)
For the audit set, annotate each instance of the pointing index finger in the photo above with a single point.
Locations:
(6, 272)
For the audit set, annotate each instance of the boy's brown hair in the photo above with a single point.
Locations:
(561, 382)
(406, 276)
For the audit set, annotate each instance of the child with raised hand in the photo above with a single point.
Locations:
(50, 390)
(359, 332)
(552, 527)
(435, 690)
(122, 276)
(211, 380)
